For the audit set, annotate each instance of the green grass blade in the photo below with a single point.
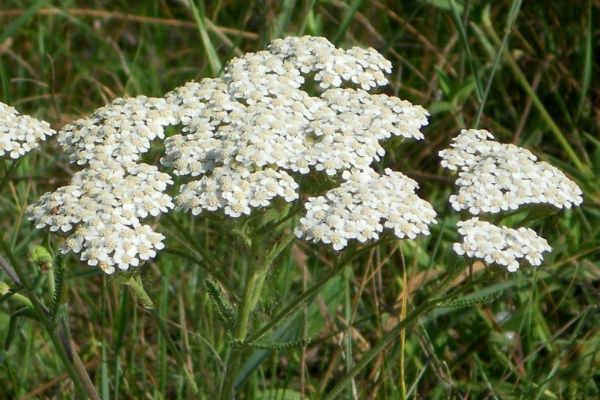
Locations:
(307, 16)
(512, 17)
(539, 105)
(209, 48)
(21, 20)
(104, 375)
(283, 20)
(282, 333)
(465, 42)
(348, 330)
(587, 64)
(388, 338)
(346, 20)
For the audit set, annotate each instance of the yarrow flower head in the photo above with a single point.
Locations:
(244, 137)
(362, 206)
(20, 134)
(499, 244)
(101, 209)
(245, 133)
(120, 131)
(494, 177)
(237, 191)
(332, 66)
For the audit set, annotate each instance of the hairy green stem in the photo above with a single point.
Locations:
(252, 290)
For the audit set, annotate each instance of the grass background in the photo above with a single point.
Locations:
(531, 335)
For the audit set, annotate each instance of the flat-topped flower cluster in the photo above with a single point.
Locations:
(251, 133)
(302, 106)
(19, 134)
(494, 177)
(499, 244)
(362, 206)
(101, 210)
(120, 131)
(299, 107)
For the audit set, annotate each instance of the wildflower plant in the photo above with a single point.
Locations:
(286, 144)
(273, 121)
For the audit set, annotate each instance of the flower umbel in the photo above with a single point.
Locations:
(236, 191)
(332, 66)
(121, 130)
(102, 208)
(101, 211)
(499, 244)
(494, 177)
(362, 206)
(246, 133)
(20, 134)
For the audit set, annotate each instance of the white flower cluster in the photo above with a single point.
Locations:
(332, 66)
(495, 177)
(19, 133)
(237, 191)
(244, 133)
(339, 130)
(362, 206)
(120, 131)
(500, 245)
(102, 208)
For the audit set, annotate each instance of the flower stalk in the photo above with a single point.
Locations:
(251, 295)
(58, 332)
